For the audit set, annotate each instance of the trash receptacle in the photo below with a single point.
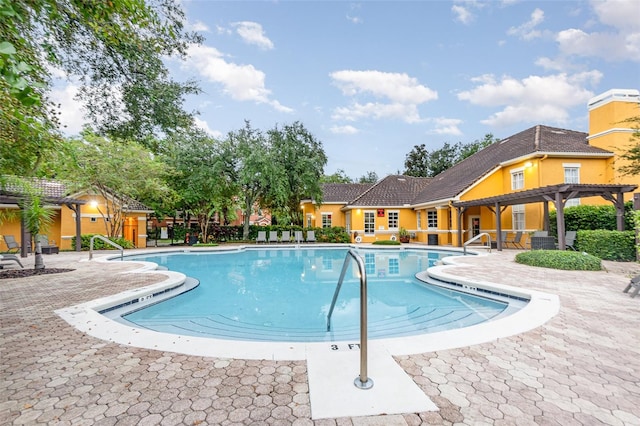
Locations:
(432, 239)
(193, 239)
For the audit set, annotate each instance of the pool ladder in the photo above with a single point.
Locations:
(362, 381)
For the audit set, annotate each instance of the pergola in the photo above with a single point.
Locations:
(557, 194)
(71, 203)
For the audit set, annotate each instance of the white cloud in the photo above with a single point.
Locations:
(620, 42)
(201, 124)
(536, 98)
(354, 19)
(447, 126)
(527, 30)
(344, 130)
(71, 111)
(240, 82)
(394, 86)
(462, 14)
(252, 33)
(609, 46)
(621, 14)
(402, 93)
(198, 26)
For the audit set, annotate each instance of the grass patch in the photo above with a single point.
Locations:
(557, 259)
(387, 243)
(205, 245)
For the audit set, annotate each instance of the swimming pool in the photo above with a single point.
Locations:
(285, 294)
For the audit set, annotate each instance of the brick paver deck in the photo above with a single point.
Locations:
(580, 368)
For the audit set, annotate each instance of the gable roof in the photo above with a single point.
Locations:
(539, 140)
(343, 192)
(393, 190)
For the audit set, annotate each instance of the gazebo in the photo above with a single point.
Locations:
(556, 194)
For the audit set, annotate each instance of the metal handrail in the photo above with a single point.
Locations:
(106, 240)
(362, 381)
(477, 237)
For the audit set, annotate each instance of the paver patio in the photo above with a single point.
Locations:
(580, 368)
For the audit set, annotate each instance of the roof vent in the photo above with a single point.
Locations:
(503, 141)
(401, 179)
(558, 132)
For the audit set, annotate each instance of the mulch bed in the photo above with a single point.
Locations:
(22, 273)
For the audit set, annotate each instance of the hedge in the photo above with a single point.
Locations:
(556, 259)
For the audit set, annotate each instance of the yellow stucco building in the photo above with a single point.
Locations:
(561, 166)
(78, 213)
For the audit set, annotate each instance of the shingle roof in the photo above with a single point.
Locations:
(51, 190)
(537, 139)
(342, 192)
(393, 190)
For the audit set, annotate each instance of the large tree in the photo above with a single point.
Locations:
(340, 176)
(118, 170)
(114, 49)
(299, 161)
(197, 179)
(247, 163)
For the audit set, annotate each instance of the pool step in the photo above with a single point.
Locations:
(419, 320)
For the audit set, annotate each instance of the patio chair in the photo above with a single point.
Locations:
(286, 237)
(273, 236)
(516, 240)
(11, 242)
(262, 237)
(46, 246)
(297, 237)
(634, 283)
(311, 236)
(570, 240)
(10, 257)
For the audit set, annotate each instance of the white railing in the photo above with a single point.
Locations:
(477, 237)
(106, 240)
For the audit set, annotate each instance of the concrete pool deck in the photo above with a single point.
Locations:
(581, 367)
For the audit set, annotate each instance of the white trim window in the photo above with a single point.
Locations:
(517, 179)
(518, 217)
(392, 219)
(326, 220)
(432, 219)
(369, 222)
(571, 175)
(419, 220)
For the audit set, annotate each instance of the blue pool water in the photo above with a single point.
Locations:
(285, 295)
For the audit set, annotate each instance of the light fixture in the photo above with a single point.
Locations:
(93, 203)
(528, 164)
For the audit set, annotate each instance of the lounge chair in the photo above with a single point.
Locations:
(286, 237)
(311, 236)
(9, 257)
(273, 236)
(262, 237)
(515, 240)
(297, 237)
(46, 246)
(635, 283)
(11, 242)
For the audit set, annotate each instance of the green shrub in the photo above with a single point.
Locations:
(387, 243)
(555, 259)
(98, 244)
(608, 245)
(587, 217)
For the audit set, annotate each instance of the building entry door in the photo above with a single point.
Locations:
(474, 226)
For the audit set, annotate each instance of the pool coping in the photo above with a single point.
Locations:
(86, 317)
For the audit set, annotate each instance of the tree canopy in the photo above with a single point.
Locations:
(632, 154)
(421, 162)
(114, 50)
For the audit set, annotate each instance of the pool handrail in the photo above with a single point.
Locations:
(362, 381)
(477, 237)
(106, 240)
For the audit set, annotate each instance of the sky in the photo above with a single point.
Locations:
(372, 79)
